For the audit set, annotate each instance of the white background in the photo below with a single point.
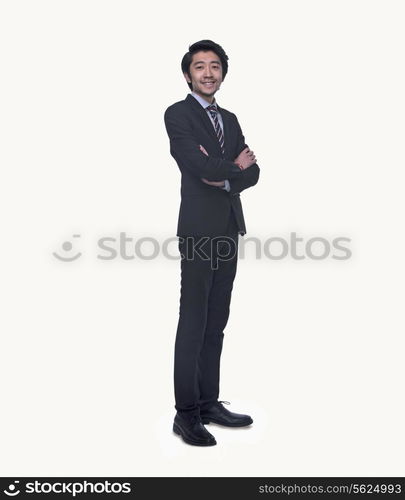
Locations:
(314, 350)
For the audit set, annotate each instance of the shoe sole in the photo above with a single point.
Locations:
(177, 430)
(206, 421)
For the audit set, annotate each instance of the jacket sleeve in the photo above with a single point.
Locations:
(250, 175)
(185, 149)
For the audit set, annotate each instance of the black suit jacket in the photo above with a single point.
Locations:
(205, 210)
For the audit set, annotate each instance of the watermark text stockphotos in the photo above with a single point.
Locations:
(65, 488)
(275, 248)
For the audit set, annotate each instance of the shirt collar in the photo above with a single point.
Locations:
(202, 101)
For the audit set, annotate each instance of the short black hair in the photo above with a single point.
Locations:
(204, 45)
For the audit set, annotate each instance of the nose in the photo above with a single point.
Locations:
(207, 71)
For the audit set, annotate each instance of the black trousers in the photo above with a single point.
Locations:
(208, 269)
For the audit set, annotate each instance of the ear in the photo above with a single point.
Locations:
(188, 79)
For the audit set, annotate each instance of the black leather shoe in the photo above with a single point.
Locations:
(192, 431)
(221, 416)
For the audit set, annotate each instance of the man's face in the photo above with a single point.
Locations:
(206, 74)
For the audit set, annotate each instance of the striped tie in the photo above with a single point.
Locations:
(214, 113)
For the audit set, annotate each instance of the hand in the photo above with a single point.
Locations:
(214, 183)
(245, 159)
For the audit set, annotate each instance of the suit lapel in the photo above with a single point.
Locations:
(206, 121)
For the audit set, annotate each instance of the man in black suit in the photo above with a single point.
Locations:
(216, 165)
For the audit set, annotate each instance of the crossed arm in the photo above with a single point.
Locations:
(242, 173)
(245, 159)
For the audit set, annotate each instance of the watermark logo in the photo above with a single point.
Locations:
(67, 247)
(68, 487)
(12, 490)
(219, 248)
